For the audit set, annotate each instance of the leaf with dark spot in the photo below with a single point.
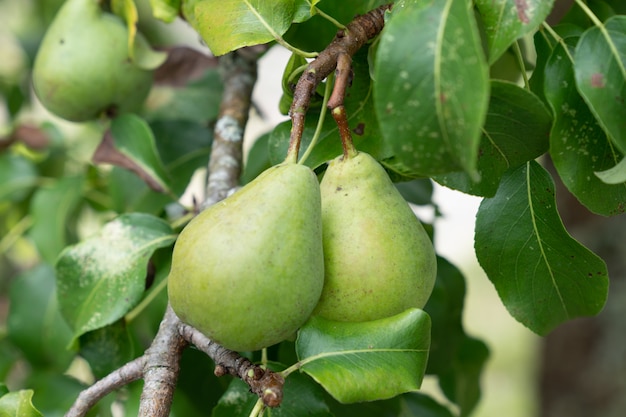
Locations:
(130, 144)
(183, 65)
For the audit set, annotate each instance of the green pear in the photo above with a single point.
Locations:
(378, 259)
(82, 68)
(248, 271)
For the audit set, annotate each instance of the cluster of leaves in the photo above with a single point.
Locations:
(436, 96)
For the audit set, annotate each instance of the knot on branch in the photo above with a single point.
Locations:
(269, 387)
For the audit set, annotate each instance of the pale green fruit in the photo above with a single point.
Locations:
(82, 68)
(248, 271)
(378, 258)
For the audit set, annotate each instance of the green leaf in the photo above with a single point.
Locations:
(578, 146)
(366, 361)
(107, 348)
(600, 69)
(508, 20)
(196, 102)
(139, 51)
(52, 208)
(226, 25)
(412, 404)
(134, 139)
(445, 308)
(429, 68)
(462, 383)
(415, 404)
(184, 147)
(615, 175)
(18, 176)
(543, 276)
(304, 9)
(516, 130)
(361, 117)
(55, 393)
(35, 323)
(418, 191)
(165, 10)
(100, 279)
(18, 404)
(301, 396)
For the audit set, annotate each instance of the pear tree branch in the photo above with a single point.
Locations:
(340, 51)
(239, 74)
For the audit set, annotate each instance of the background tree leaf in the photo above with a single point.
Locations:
(600, 69)
(18, 404)
(107, 348)
(543, 276)
(56, 392)
(461, 383)
(366, 361)
(131, 145)
(100, 279)
(51, 208)
(431, 87)
(165, 10)
(445, 308)
(578, 145)
(220, 22)
(35, 323)
(18, 176)
(184, 147)
(508, 20)
(516, 130)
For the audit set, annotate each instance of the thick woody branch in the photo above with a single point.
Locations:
(239, 74)
(162, 361)
(346, 43)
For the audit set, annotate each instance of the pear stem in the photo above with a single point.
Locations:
(343, 75)
(340, 116)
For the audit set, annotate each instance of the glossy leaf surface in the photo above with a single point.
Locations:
(578, 145)
(516, 130)
(226, 25)
(51, 208)
(600, 69)
(508, 20)
(543, 276)
(431, 87)
(369, 360)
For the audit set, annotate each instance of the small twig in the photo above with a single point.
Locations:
(239, 75)
(336, 107)
(346, 43)
(132, 371)
(266, 384)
